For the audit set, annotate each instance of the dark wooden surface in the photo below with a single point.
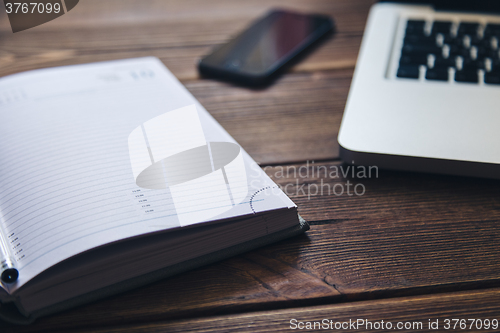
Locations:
(413, 247)
(413, 311)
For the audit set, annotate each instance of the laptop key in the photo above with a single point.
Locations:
(472, 65)
(449, 39)
(492, 77)
(440, 62)
(481, 52)
(442, 27)
(420, 40)
(480, 44)
(415, 27)
(468, 28)
(437, 74)
(422, 49)
(466, 76)
(493, 54)
(413, 59)
(456, 50)
(408, 71)
(492, 30)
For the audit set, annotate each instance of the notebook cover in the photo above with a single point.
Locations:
(9, 312)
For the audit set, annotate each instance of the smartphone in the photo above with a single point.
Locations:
(260, 53)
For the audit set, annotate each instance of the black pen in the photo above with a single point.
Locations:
(8, 270)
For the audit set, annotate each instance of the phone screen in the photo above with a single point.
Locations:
(269, 43)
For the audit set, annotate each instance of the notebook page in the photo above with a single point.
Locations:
(76, 142)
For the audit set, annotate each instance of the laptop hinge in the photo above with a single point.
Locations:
(482, 6)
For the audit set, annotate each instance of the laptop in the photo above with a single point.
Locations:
(425, 95)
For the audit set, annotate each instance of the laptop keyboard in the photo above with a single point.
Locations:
(469, 49)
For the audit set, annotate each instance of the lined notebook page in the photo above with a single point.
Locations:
(67, 156)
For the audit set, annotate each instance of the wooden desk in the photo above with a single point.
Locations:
(414, 247)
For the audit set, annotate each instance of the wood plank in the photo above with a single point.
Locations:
(409, 234)
(179, 33)
(407, 231)
(239, 284)
(296, 119)
(415, 312)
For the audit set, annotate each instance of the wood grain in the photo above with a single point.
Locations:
(387, 254)
(296, 119)
(409, 234)
(413, 311)
(178, 32)
(407, 231)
